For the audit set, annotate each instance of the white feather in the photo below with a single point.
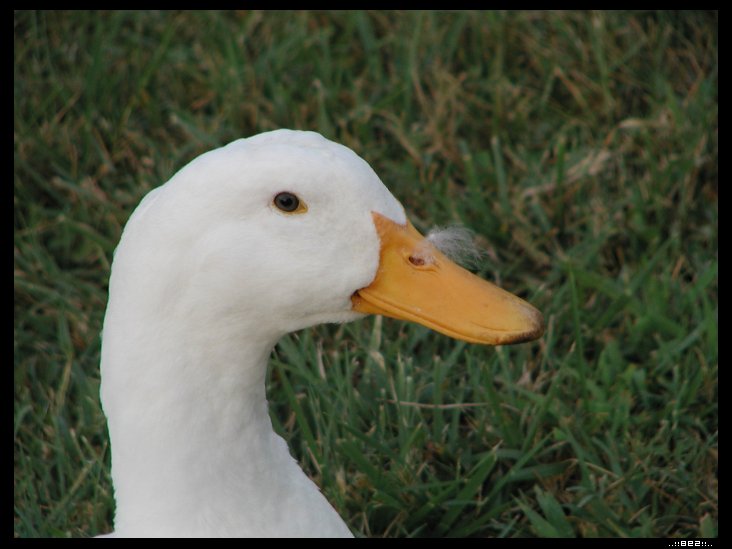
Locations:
(458, 244)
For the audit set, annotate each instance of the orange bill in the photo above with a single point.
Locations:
(416, 282)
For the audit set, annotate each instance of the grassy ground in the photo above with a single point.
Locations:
(582, 147)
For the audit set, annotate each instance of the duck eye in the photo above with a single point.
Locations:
(289, 203)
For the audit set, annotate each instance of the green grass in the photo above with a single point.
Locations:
(581, 147)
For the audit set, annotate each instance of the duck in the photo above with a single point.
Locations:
(262, 237)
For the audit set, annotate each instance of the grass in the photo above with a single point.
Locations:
(581, 146)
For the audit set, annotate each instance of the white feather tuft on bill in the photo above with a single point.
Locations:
(458, 244)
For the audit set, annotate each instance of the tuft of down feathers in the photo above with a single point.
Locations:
(458, 244)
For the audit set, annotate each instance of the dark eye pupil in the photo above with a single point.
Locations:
(287, 202)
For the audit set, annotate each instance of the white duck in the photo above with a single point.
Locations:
(262, 237)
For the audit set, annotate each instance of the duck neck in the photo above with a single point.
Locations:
(193, 449)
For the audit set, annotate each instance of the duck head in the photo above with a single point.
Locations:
(286, 230)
